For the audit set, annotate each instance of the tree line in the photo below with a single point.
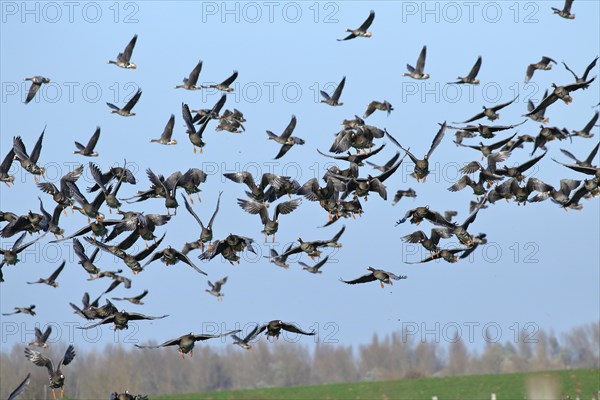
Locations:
(391, 357)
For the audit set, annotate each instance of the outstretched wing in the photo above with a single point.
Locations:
(421, 60)
(321, 263)
(231, 79)
(362, 279)
(581, 85)
(594, 151)
(126, 56)
(370, 110)
(501, 106)
(284, 149)
(290, 128)
(286, 207)
(590, 125)
(547, 101)
(437, 139)
(93, 140)
(68, 357)
(188, 207)
(475, 70)
(187, 118)
(19, 148)
(365, 25)
(253, 333)
(474, 118)
(592, 64)
(183, 258)
(394, 276)
(218, 284)
(19, 388)
(525, 166)
(39, 359)
(410, 155)
(193, 78)
(293, 328)
(530, 71)
(168, 131)
(46, 335)
(212, 219)
(8, 160)
(57, 272)
(107, 320)
(569, 154)
(415, 237)
(254, 207)
(35, 153)
(338, 90)
(350, 36)
(338, 235)
(33, 89)
(171, 342)
(133, 100)
(137, 316)
(291, 251)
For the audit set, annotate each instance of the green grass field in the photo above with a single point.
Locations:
(585, 383)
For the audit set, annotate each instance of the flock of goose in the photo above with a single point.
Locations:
(340, 196)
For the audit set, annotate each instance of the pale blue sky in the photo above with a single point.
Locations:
(557, 290)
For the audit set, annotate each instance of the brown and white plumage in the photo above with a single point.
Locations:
(189, 83)
(560, 92)
(124, 58)
(22, 310)
(186, 343)
(417, 73)
(167, 134)
(312, 248)
(491, 113)
(334, 99)
(51, 280)
(378, 105)
(271, 226)
(588, 162)
(215, 288)
(315, 269)
(361, 30)
(57, 379)
(36, 84)
(285, 139)
(245, 342)
(449, 255)
(134, 300)
(403, 193)
(5, 168)
(275, 327)
(29, 162)
(544, 64)
(566, 10)
(170, 256)
(41, 339)
(585, 132)
(224, 86)
(126, 110)
(583, 78)
(88, 149)
(471, 77)
(257, 190)
(121, 320)
(376, 274)
(421, 169)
